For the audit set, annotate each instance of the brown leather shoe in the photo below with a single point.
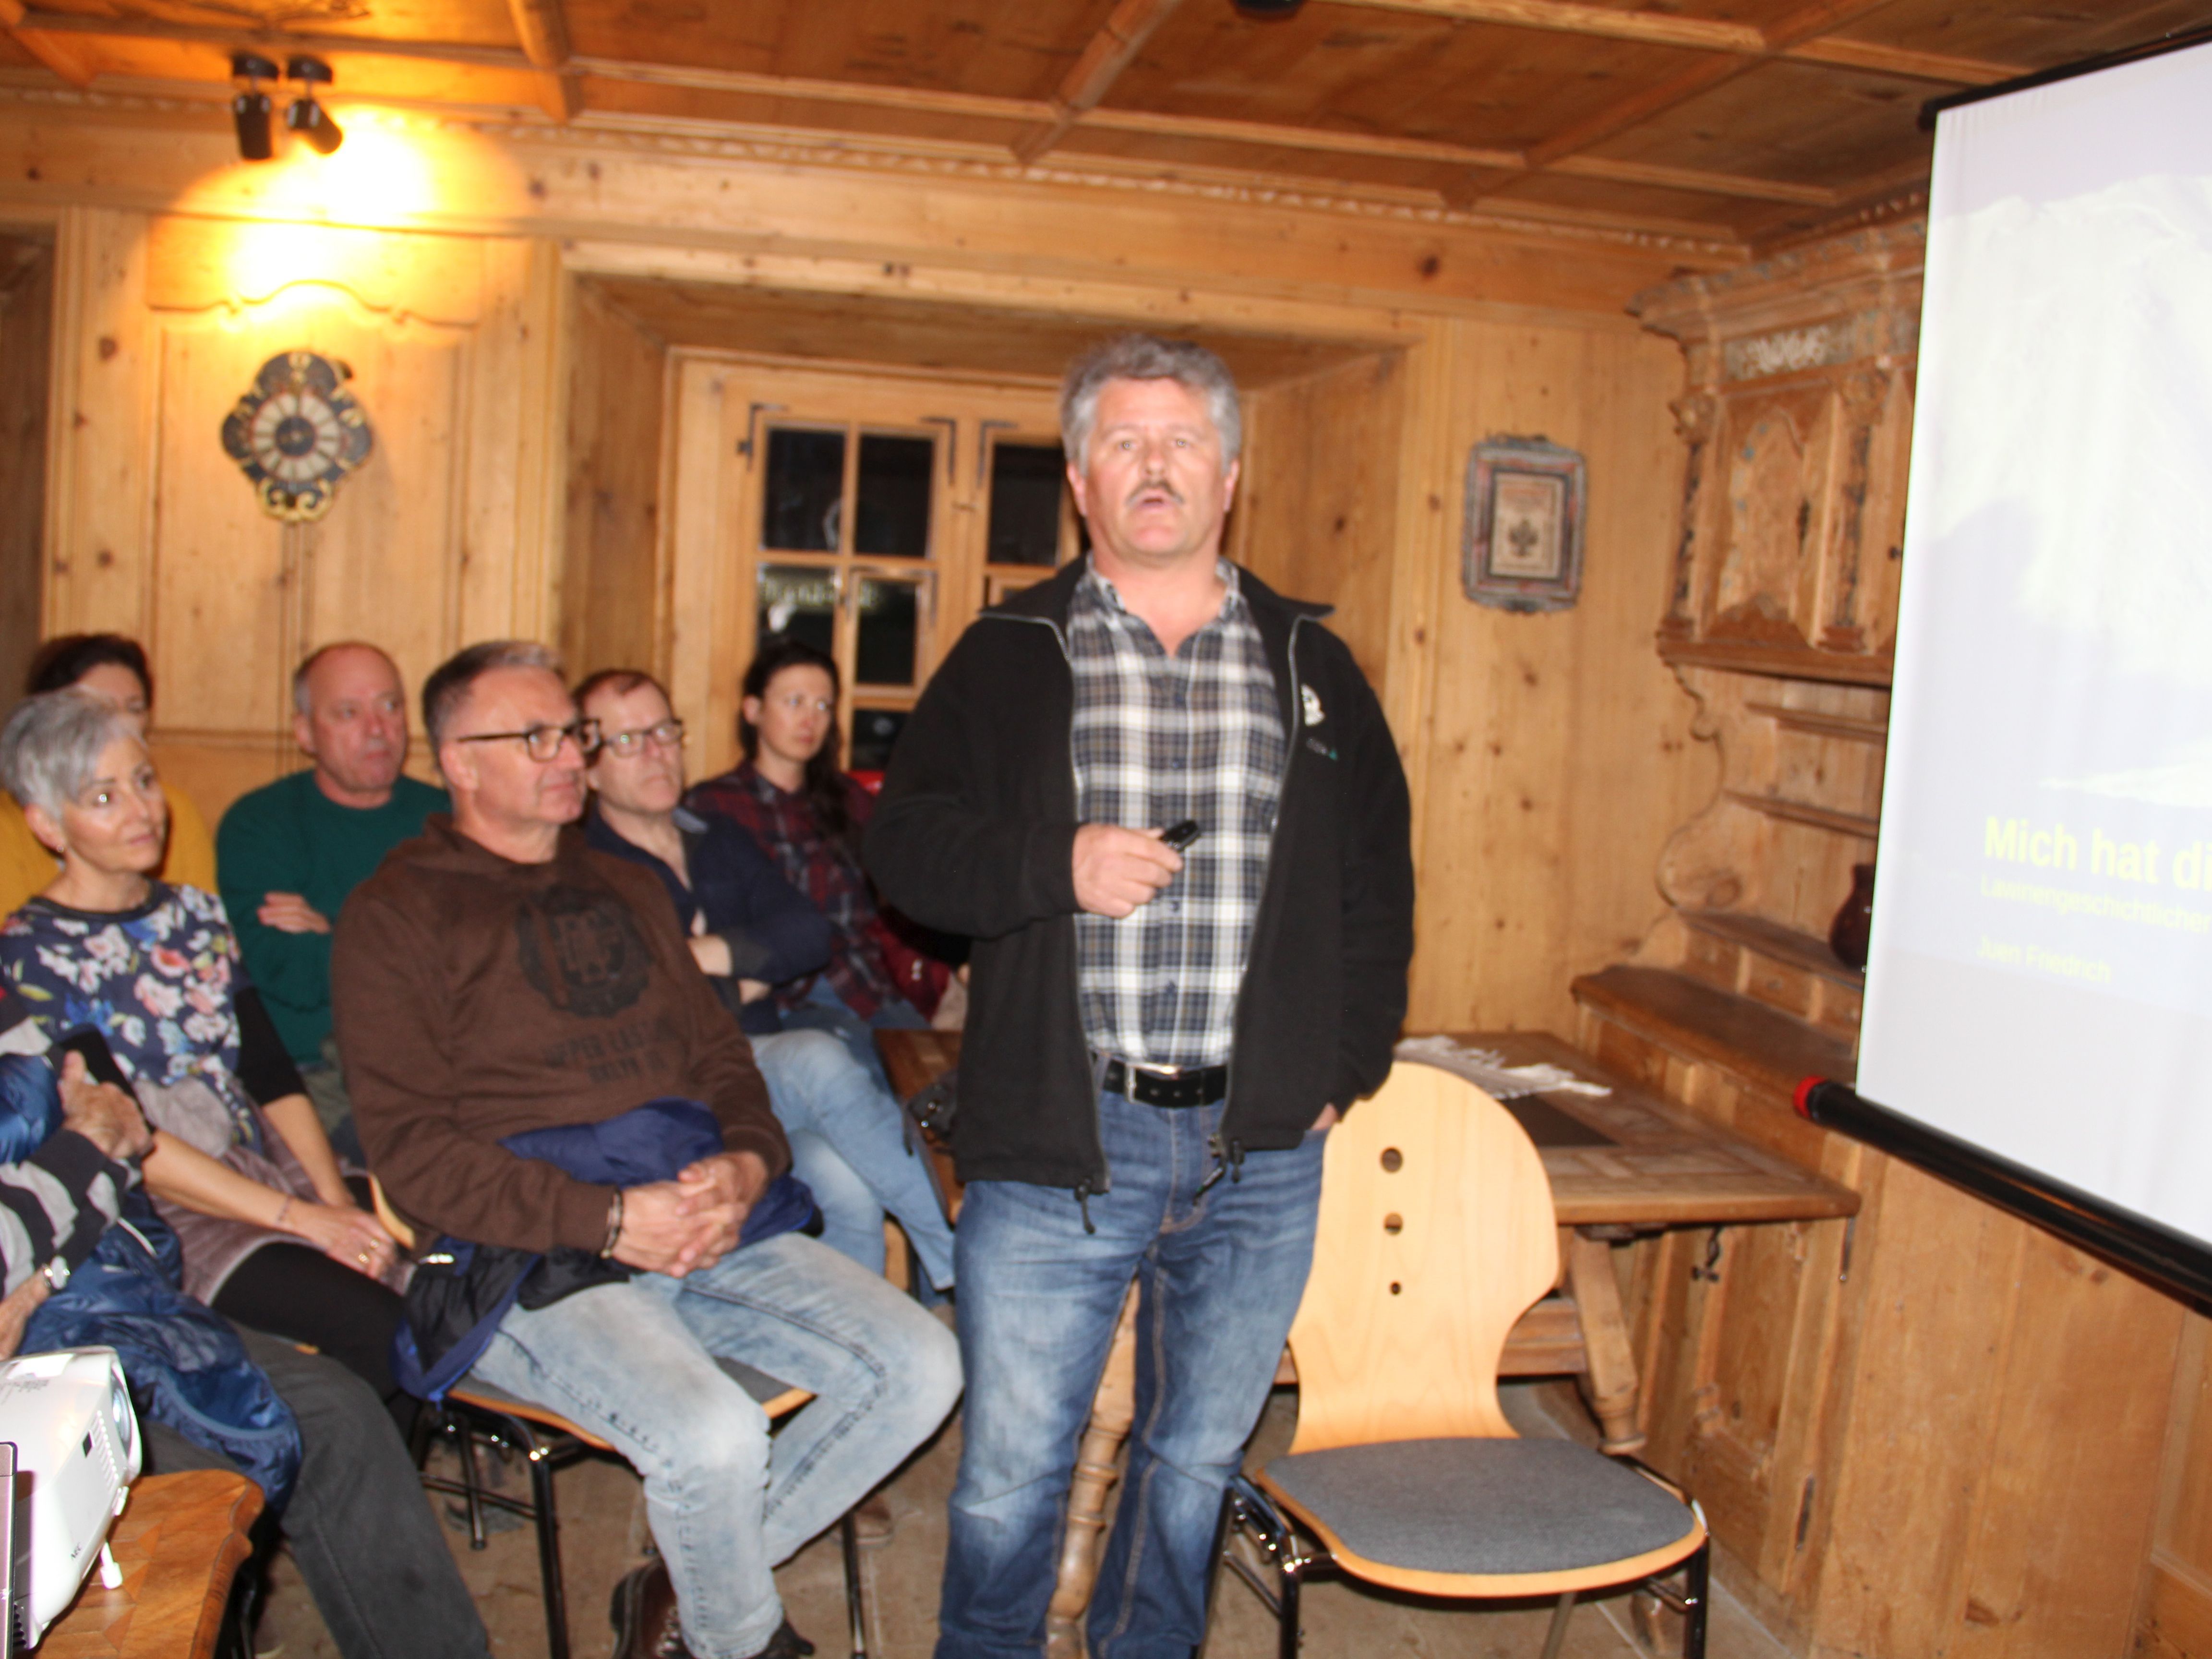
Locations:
(644, 1616)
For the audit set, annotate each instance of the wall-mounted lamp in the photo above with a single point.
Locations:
(249, 108)
(307, 118)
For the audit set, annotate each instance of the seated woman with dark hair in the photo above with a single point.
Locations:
(241, 1167)
(750, 930)
(112, 668)
(808, 814)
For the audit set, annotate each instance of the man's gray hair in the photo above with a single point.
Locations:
(301, 703)
(1147, 357)
(447, 691)
(50, 749)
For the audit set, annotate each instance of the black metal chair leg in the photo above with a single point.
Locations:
(549, 1554)
(1697, 1592)
(856, 1609)
(1287, 1611)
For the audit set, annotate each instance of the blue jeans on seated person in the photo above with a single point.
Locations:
(635, 1364)
(825, 1010)
(851, 1144)
(1220, 1275)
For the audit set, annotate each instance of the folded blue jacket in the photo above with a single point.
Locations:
(462, 1289)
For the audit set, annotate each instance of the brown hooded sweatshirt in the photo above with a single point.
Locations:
(474, 997)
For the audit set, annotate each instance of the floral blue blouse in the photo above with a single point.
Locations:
(159, 982)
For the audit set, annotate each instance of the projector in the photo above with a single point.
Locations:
(76, 1438)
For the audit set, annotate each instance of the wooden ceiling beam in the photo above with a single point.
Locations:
(1807, 22)
(543, 28)
(279, 40)
(58, 56)
(1703, 35)
(1118, 41)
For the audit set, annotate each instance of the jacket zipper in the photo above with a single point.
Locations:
(1085, 1190)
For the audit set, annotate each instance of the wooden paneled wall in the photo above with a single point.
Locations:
(1555, 749)
(440, 538)
(617, 388)
(1317, 505)
(27, 307)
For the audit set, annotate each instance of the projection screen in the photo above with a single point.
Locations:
(2040, 982)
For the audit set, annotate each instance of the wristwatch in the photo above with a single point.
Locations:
(56, 1273)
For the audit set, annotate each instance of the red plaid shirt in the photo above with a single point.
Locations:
(822, 869)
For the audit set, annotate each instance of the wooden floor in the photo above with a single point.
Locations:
(604, 1531)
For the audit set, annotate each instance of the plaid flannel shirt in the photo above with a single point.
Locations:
(1157, 739)
(825, 870)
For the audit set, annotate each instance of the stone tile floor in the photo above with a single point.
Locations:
(602, 1535)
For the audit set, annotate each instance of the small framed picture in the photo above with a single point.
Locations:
(1523, 540)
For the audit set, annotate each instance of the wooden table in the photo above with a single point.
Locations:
(1627, 1162)
(179, 1540)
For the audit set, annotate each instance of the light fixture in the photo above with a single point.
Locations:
(249, 108)
(307, 118)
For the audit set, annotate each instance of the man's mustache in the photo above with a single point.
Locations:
(1158, 487)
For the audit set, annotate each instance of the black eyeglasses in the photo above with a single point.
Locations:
(543, 742)
(669, 734)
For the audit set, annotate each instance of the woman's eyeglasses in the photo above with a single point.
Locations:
(669, 734)
(543, 742)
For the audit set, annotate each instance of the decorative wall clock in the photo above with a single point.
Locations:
(297, 433)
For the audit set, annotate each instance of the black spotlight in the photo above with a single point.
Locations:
(1268, 11)
(307, 118)
(250, 109)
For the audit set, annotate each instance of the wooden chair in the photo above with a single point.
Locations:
(1435, 1234)
(476, 1416)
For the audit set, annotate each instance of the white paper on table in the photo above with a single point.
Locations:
(1487, 1069)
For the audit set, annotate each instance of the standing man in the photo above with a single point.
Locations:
(497, 976)
(287, 854)
(1155, 1042)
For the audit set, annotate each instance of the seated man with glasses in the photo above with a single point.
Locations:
(498, 976)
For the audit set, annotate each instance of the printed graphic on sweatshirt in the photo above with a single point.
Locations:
(582, 949)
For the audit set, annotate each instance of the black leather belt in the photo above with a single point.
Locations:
(1177, 1088)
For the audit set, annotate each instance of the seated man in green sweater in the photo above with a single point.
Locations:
(287, 856)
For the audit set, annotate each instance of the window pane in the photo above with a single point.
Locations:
(805, 491)
(874, 731)
(890, 626)
(800, 601)
(1027, 481)
(892, 515)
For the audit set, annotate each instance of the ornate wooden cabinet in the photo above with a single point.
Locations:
(1933, 1429)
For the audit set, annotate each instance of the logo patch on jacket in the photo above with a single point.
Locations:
(1311, 699)
(582, 950)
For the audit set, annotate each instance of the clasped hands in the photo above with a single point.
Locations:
(675, 1227)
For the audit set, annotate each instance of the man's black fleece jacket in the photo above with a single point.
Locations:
(976, 833)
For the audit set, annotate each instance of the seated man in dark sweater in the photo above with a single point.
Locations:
(497, 976)
(287, 854)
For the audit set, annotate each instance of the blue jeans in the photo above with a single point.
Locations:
(1220, 1275)
(850, 1143)
(635, 1364)
(825, 1010)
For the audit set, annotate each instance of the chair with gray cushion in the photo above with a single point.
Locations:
(1436, 1233)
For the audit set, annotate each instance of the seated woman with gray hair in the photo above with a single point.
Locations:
(240, 1168)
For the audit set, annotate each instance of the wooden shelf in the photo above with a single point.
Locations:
(1774, 941)
(1772, 1052)
(1820, 724)
(1804, 812)
(1782, 662)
